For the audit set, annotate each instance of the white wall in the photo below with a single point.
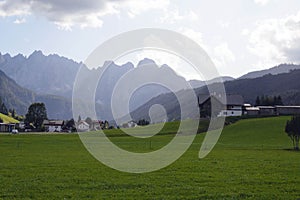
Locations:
(230, 113)
(54, 129)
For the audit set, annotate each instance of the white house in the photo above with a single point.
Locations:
(234, 106)
(82, 126)
(130, 124)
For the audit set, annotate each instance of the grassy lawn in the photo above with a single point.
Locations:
(250, 161)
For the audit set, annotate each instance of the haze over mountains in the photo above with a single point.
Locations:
(50, 79)
(53, 75)
(282, 68)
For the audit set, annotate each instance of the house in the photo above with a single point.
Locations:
(251, 111)
(53, 125)
(130, 124)
(4, 127)
(82, 126)
(205, 102)
(232, 107)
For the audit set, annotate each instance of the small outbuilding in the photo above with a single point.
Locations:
(267, 110)
(288, 110)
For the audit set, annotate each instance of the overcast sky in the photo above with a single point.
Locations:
(239, 35)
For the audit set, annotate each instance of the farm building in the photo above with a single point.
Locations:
(53, 125)
(232, 107)
(267, 110)
(288, 110)
(4, 127)
(249, 110)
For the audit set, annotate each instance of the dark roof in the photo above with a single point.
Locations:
(288, 107)
(235, 99)
(202, 98)
(231, 99)
(53, 122)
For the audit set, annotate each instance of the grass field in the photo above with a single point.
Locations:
(250, 161)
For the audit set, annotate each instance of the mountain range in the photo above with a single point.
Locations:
(287, 85)
(50, 79)
(19, 98)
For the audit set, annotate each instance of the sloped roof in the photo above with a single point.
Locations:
(235, 99)
(83, 122)
(202, 98)
(230, 99)
(53, 122)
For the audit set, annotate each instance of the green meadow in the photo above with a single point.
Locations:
(251, 160)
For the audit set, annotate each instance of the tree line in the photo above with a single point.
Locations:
(268, 101)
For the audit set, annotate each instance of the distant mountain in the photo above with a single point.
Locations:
(283, 68)
(198, 83)
(19, 98)
(42, 74)
(51, 78)
(287, 85)
(143, 93)
(56, 75)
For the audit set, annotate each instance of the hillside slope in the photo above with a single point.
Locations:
(280, 69)
(7, 119)
(19, 98)
(287, 85)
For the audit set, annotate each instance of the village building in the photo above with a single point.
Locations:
(130, 124)
(53, 125)
(267, 110)
(4, 127)
(250, 110)
(233, 106)
(287, 110)
(83, 126)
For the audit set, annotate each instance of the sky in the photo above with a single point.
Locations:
(238, 35)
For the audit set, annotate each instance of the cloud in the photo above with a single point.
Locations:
(67, 14)
(222, 55)
(276, 40)
(20, 21)
(173, 15)
(14, 8)
(196, 36)
(137, 7)
(261, 2)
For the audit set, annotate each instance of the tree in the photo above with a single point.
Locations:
(79, 118)
(257, 102)
(70, 125)
(13, 113)
(89, 121)
(262, 100)
(279, 101)
(292, 128)
(36, 114)
(3, 108)
(106, 125)
(143, 122)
